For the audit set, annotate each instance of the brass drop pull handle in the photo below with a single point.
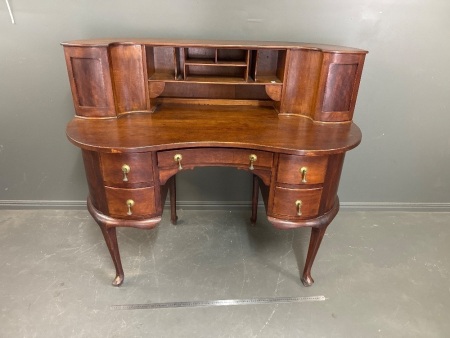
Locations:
(125, 169)
(130, 204)
(178, 159)
(298, 204)
(252, 159)
(303, 171)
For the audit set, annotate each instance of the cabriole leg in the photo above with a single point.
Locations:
(111, 241)
(314, 244)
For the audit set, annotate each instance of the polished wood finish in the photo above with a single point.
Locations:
(188, 126)
(147, 109)
(143, 198)
(284, 205)
(302, 169)
(138, 163)
(89, 75)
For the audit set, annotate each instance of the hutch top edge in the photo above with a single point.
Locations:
(216, 43)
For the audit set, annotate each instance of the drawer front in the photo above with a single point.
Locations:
(143, 202)
(122, 169)
(215, 156)
(294, 169)
(297, 203)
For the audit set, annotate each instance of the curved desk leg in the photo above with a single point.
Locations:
(254, 200)
(317, 234)
(111, 241)
(173, 199)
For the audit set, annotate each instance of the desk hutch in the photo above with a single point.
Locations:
(147, 109)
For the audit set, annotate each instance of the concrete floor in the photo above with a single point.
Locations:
(384, 274)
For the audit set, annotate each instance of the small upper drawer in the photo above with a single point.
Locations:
(215, 156)
(131, 203)
(122, 169)
(297, 203)
(294, 169)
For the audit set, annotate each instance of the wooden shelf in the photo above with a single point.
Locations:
(206, 62)
(268, 79)
(162, 77)
(262, 81)
(216, 79)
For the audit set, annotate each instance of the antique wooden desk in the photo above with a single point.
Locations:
(146, 109)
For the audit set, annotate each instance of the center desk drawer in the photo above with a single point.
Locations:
(215, 156)
(130, 203)
(122, 169)
(297, 203)
(293, 169)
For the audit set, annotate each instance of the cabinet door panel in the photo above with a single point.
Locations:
(90, 81)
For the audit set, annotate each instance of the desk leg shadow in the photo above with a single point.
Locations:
(255, 193)
(173, 199)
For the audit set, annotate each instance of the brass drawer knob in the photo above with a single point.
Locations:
(130, 204)
(298, 204)
(125, 170)
(303, 171)
(178, 159)
(252, 159)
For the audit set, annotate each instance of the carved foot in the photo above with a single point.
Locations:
(307, 280)
(118, 280)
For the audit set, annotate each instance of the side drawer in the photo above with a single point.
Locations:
(294, 169)
(215, 156)
(122, 169)
(143, 202)
(297, 203)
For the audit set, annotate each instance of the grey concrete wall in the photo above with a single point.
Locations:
(403, 106)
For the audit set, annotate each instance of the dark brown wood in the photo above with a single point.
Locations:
(139, 174)
(129, 78)
(330, 187)
(314, 244)
(108, 227)
(285, 203)
(202, 157)
(208, 44)
(92, 167)
(90, 81)
(143, 206)
(187, 126)
(319, 221)
(110, 236)
(215, 156)
(338, 87)
(290, 169)
(150, 108)
(302, 78)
